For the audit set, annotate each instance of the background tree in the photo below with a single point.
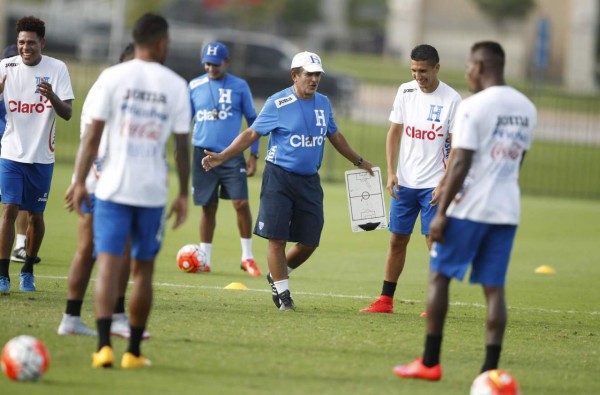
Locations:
(502, 10)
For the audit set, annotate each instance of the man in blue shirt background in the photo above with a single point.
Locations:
(219, 100)
(298, 121)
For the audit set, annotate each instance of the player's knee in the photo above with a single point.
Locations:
(240, 205)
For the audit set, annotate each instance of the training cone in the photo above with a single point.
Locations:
(236, 286)
(545, 269)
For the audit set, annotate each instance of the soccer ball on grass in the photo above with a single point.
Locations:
(191, 260)
(25, 358)
(495, 382)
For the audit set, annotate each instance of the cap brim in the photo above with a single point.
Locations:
(313, 68)
(212, 59)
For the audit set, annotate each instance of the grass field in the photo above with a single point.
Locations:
(207, 340)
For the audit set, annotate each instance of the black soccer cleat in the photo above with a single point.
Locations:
(287, 303)
(274, 294)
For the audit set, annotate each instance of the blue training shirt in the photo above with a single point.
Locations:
(2, 118)
(232, 98)
(298, 130)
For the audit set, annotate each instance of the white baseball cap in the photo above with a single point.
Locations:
(309, 61)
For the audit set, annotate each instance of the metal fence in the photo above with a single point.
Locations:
(564, 160)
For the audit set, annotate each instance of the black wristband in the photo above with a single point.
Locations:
(254, 155)
(359, 161)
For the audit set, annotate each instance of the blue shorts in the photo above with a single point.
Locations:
(26, 184)
(85, 209)
(405, 209)
(114, 223)
(484, 247)
(291, 207)
(227, 181)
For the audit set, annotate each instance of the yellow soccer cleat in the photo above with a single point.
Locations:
(130, 361)
(103, 358)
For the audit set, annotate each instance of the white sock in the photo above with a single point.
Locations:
(282, 285)
(246, 249)
(206, 248)
(290, 270)
(20, 241)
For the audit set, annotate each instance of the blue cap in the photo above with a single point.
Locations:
(10, 51)
(214, 53)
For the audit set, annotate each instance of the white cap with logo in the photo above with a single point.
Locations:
(309, 61)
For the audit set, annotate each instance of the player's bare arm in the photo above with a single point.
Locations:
(241, 142)
(251, 165)
(2, 84)
(63, 108)
(455, 177)
(88, 151)
(437, 192)
(182, 158)
(392, 148)
(341, 145)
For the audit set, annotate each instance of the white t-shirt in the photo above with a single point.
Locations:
(497, 123)
(142, 103)
(427, 119)
(31, 119)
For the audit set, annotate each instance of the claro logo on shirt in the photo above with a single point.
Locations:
(29, 108)
(422, 134)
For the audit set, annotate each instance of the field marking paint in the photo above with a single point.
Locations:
(330, 295)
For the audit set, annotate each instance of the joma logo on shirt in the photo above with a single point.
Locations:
(284, 101)
(154, 97)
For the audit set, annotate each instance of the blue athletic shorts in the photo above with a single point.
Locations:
(114, 223)
(405, 209)
(88, 209)
(484, 247)
(227, 181)
(26, 184)
(291, 207)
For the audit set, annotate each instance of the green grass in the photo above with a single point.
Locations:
(214, 341)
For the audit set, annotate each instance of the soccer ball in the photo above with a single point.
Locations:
(495, 382)
(25, 358)
(191, 260)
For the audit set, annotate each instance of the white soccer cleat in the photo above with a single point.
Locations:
(72, 325)
(120, 327)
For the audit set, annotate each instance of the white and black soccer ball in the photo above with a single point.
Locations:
(25, 358)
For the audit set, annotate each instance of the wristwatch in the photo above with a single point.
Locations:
(359, 161)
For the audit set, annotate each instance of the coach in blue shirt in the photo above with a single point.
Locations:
(298, 121)
(219, 100)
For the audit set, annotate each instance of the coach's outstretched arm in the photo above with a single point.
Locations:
(241, 143)
(342, 146)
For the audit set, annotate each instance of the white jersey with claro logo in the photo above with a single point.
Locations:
(497, 124)
(142, 103)
(30, 117)
(427, 120)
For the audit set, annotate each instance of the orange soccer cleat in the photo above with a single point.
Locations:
(250, 266)
(417, 370)
(383, 304)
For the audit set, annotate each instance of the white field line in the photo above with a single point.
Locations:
(330, 295)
